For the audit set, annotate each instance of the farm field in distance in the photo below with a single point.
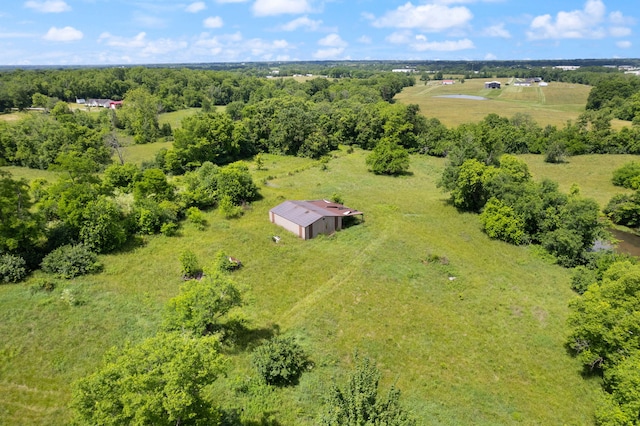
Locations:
(484, 348)
(554, 104)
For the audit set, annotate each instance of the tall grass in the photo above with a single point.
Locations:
(475, 339)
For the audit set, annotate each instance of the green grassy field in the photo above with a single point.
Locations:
(484, 348)
(554, 104)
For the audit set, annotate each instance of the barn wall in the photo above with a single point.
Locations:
(286, 224)
(326, 225)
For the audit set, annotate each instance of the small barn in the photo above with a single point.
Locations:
(307, 219)
(492, 85)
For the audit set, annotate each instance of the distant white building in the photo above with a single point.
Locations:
(567, 67)
(407, 70)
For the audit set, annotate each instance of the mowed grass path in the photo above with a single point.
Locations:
(483, 348)
(554, 104)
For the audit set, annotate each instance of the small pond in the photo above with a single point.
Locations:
(628, 243)
(471, 97)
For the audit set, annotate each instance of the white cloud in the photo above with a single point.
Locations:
(280, 7)
(330, 53)
(163, 46)
(400, 37)
(332, 40)
(427, 17)
(490, 57)
(496, 31)
(620, 31)
(196, 7)
(365, 40)
(48, 6)
(302, 22)
(623, 44)
(231, 1)
(213, 22)
(585, 23)
(116, 41)
(421, 44)
(63, 34)
(149, 21)
(143, 47)
(233, 47)
(17, 35)
(617, 18)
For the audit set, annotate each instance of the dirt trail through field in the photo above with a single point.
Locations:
(305, 305)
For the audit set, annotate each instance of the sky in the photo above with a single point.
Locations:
(121, 32)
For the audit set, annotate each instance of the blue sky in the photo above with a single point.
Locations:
(96, 32)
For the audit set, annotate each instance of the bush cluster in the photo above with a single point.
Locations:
(13, 268)
(71, 261)
(280, 361)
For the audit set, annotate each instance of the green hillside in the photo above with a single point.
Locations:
(475, 339)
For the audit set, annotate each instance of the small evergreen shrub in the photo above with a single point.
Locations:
(280, 361)
(12, 268)
(71, 261)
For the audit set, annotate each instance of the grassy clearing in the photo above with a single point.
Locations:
(554, 104)
(484, 348)
(175, 118)
(592, 173)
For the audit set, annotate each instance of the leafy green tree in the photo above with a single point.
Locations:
(627, 176)
(622, 402)
(20, 228)
(122, 176)
(161, 381)
(501, 222)
(205, 137)
(235, 181)
(280, 361)
(624, 209)
(202, 305)
(358, 403)
(388, 158)
(468, 191)
(103, 228)
(604, 322)
(153, 185)
(139, 115)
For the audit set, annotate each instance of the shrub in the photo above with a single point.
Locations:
(627, 176)
(499, 221)
(190, 265)
(12, 268)
(223, 263)
(388, 158)
(43, 285)
(228, 209)
(195, 216)
(169, 229)
(556, 153)
(71, 261)
(280, 361)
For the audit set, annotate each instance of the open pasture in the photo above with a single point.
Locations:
(554, 104)
(474, 338)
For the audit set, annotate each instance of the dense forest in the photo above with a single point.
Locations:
(100, 204)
